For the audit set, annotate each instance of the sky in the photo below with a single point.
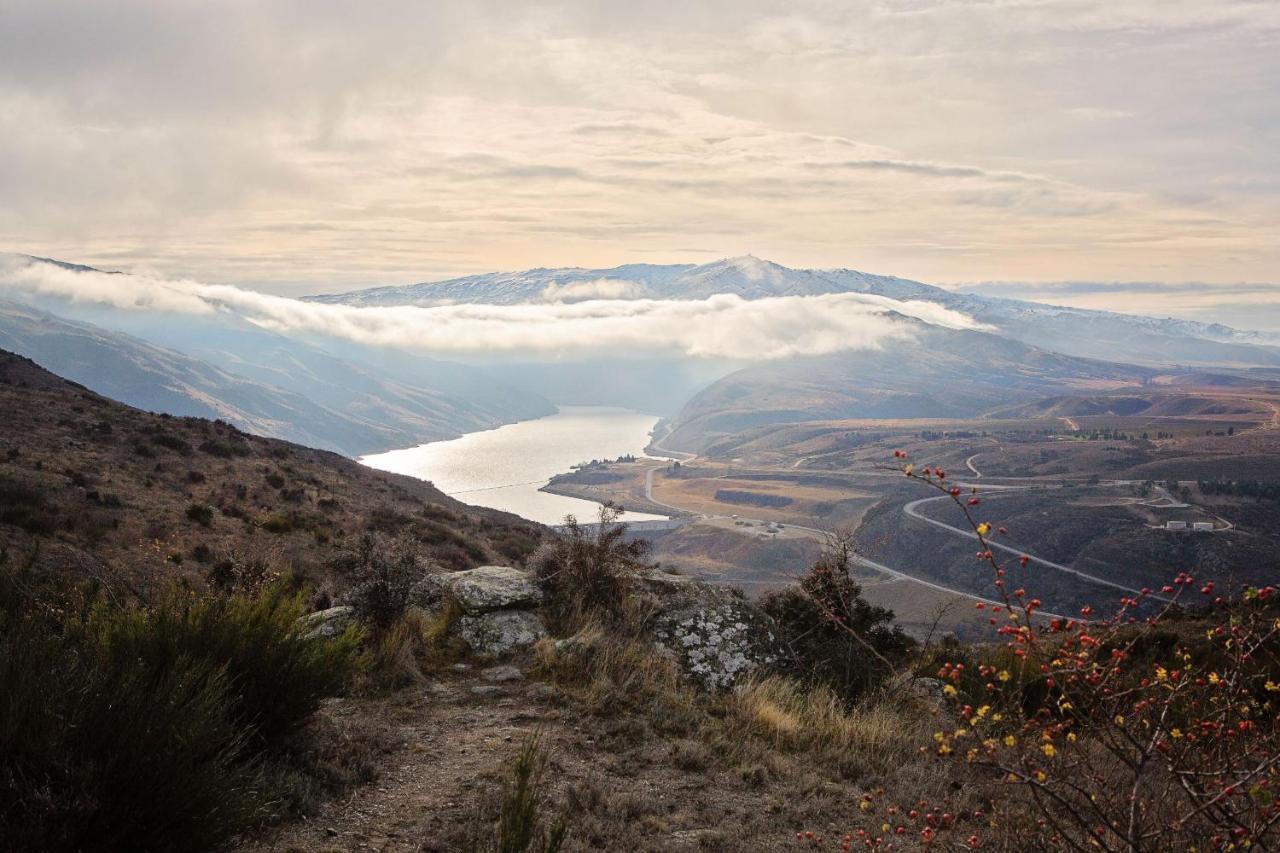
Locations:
(299, 147)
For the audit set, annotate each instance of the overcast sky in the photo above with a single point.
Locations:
(312, 146)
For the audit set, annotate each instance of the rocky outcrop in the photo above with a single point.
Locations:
(497, 634)
(328, 623)
(485, 589)
(497, 605)
(716, 635)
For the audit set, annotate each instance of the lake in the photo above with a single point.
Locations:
(504, 468)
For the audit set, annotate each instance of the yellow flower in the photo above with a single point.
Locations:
(1119, 720)
(948, 690)
(1010, 740)
(1071, 737)
(1213, 678)
(1175, 733)
(1272, 687)
(1048, 750)
(1040, 777)
(1003, 675)
(983, 710)
(984, 529)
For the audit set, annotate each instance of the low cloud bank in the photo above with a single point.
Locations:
(722, 326)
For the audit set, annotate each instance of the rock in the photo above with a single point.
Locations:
(502, 674)
(328, 623)
(716, 635)
(496, 634)
(927, 690)
(488, 588)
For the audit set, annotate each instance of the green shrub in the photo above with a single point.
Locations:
(201, 514)
(277, 675)
(148, 729)
(835, 636)
(521, 826)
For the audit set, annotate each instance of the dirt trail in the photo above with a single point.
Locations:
(446, 739)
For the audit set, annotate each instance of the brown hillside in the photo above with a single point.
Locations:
(91, 488)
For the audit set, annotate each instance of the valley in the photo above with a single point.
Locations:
(1103, 506)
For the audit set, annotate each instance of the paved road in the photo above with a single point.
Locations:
(823, 535)
(912, 509)
(969, 464)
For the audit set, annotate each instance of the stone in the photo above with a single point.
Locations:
(716, 635)
(499, 633)
(489, 588)
(328, 623)
(502, 674)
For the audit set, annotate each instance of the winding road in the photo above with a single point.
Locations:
(823, 535)
(912, 510)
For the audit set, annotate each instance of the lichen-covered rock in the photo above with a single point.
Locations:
(485, 589)
(716, 635)
(501, 632)
(328, 623)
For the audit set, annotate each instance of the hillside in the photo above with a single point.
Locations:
(938, 372)
(91, 488)
(262, 382)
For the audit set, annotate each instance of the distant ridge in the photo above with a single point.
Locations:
(1079, 332)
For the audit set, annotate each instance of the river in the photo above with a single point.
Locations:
(504, 468)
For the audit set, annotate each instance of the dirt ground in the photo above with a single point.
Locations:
(448, 745)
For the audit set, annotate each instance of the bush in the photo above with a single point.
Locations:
(835, 636)
(147, 729)
(278, 676)
(22, 505)
(588, 572)
(1150, 728)
(201, 514)
(385, 572)
(521, 827)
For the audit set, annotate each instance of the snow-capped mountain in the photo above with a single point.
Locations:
(1072, 331)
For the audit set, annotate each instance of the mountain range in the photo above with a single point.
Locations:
(358, 399)
(1071, 331)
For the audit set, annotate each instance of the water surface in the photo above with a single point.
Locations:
(505, 467)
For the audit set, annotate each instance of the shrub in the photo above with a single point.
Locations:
(588, 573)
(385, 572)
(278, 675)
(277, 524)
(1148, 729)
(521, 826)
(146, 729)
(23, 505)
(201, 514)
(835, 636)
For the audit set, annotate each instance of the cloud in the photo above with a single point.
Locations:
(581, 291)
(723, 326)
(285, 145)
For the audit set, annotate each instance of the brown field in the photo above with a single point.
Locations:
(825, 507)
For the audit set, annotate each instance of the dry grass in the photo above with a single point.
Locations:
(414, 646)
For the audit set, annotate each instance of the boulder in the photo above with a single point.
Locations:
(485, 589)
(501, 632)
(328, 623)
(716, 635)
